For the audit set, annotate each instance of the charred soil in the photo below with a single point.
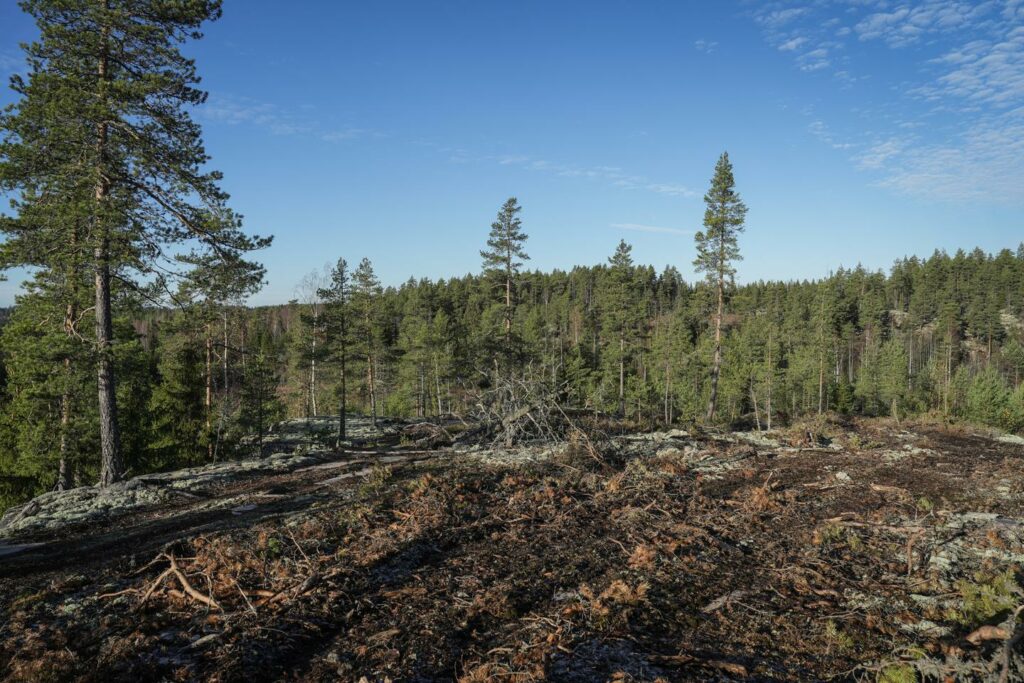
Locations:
(878, 552)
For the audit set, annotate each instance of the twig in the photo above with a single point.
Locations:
(153, 586)
(103, 596)
(292, 536)
(244, 596)
(1012, 643)
(189, 589)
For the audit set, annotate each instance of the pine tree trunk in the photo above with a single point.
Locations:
(111, 463)
(342, 418)
(225, 360)
(373, 390)
(849, 362)
(312, 366)
(437, 384)
(64, 468)
(261, 399)
(716, 366)
(949, 373)
(668, 381)
(64, 474)
(224, 389)
(208, 401)
(821, 384)
(508, 316)
(622, 375)
(421, 401)
(771, 376)
(757, 415)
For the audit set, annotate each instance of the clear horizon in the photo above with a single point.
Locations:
(860, 132)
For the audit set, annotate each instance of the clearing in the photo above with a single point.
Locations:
(868, 551)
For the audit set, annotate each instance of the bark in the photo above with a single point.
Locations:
(371, 382)
(312, 366)
(821, 384)
(622, 374)
(668, 389)
(771, 376)
(224, 390)
(111, 462)
(716, 366)
(508, 311)
(208, 400)
(342, 426)
(757, 414)
(437, 384)
(370, 379)
(421, 397)
(64, 473)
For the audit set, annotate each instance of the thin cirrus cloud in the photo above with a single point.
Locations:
(657, 229)
(708, 46)
(235, 111)
(953, 130)
(239, 111)
(612, 175)
(9, 63)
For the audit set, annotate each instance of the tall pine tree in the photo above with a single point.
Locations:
(717, 250)
(504, 257)
(103, 120)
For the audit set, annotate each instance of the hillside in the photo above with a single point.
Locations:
(854, 549)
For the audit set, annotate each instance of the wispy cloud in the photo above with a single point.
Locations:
(907, 24)
(778, 18)
(640, 227)
(954, 129)
(707, 46)
(879, 154)
(613, 175)
(982, 72)
(235, 111)
(346, 134)
(793, 44)
(984, 163)
(670, 189)
(814, 60)
(821, 131)
(9, 63)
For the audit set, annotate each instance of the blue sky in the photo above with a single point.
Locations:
(860, 130)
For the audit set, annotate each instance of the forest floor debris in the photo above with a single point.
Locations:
(665, 556)
(292, 445)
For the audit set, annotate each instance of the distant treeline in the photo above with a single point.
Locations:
(941, 335)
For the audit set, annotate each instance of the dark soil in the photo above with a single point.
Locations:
(688, 558)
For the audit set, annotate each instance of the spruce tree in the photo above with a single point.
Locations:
(621, 314)
(717, 251)
(366, 291)
(179, 420)
(103, 121)
(50, 411)
(207, 291)
(260, 406)
(336, 298)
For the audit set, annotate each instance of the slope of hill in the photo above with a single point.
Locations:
(866, 548)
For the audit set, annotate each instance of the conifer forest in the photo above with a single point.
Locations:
(690, 477)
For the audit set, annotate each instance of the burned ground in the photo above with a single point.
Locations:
(889, 554)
